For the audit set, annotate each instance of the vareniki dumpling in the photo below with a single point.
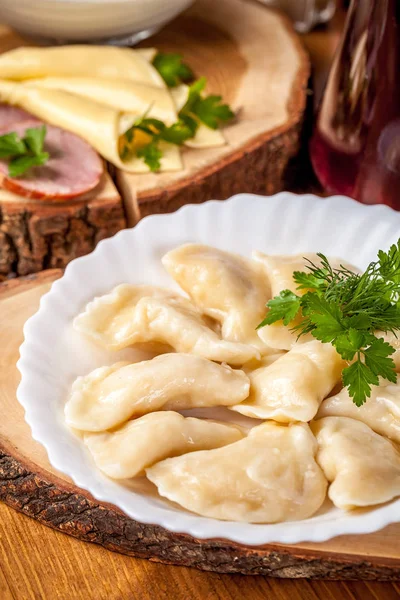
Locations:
(279, 271)
(176, 322)
(269, 476)
(108, 396)
(109, 319)
(168, 320)
(381, 411)
(227, 287)
(138, 444)
(293, 387)
(364, 467)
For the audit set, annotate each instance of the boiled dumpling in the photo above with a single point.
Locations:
(170, 320)
(292, 388)
(227, 287)
(138, 444)
(176, 322)
(269, 476)
(108, 396)
(108, 319)
(279, 271)
(381, 411)
(364, 467)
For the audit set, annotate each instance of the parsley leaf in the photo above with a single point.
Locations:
(358, 378)
(325, 316)
(34, 139)
(11, 145)
(172, 69)
(283, 307)
(208, 110)
(151, 155)
(18, 166)
(177, 133)
(349, 342)
(377, 359)
(25, 152)
(307, 281)
(212, 112)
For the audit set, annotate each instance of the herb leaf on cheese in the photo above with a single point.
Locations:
(172, 68)
(198, 109)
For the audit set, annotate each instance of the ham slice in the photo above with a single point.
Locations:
(73, 168)
(12, 114)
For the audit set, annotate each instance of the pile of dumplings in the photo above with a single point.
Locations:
(305, 443)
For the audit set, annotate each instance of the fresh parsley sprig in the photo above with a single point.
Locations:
(208, 110)
(172, 68)
(345, 309)
(24, 153)
(157, 131)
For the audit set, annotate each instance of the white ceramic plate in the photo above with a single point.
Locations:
(52, 356)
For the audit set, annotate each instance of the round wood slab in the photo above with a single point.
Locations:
(253, 58)
(29, 484)
(36, 235)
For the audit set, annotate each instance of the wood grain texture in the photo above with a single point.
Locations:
(37, 563)
(37, 235)
(232, 42)
(31, 485)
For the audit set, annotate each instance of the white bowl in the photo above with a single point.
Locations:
(52, 356)
(89, 20)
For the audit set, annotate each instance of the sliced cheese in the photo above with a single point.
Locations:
(148, 54)
(205, 136)
(121, 94)
(98, 124)
(79, 61)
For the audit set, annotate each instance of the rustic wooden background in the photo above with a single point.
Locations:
(39, 563)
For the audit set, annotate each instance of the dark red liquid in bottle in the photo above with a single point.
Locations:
(355, 149)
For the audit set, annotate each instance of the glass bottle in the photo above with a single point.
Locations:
(355, 148)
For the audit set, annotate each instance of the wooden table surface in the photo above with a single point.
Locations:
(39, 563)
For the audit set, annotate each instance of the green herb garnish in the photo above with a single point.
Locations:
(177, 134)
(25, 152)
(345, 309)
(208, 110)
(151, 155)
(172, 69)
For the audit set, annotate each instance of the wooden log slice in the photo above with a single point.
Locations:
(37, 235)
(31, 485)
(252, 57)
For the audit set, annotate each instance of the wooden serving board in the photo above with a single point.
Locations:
(29, 484)
(252, 57)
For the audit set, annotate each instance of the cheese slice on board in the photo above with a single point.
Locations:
(100, 125)
(80, 61)
(205, 136)
(121, 94)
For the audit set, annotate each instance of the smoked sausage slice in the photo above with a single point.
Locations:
(74, 167)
